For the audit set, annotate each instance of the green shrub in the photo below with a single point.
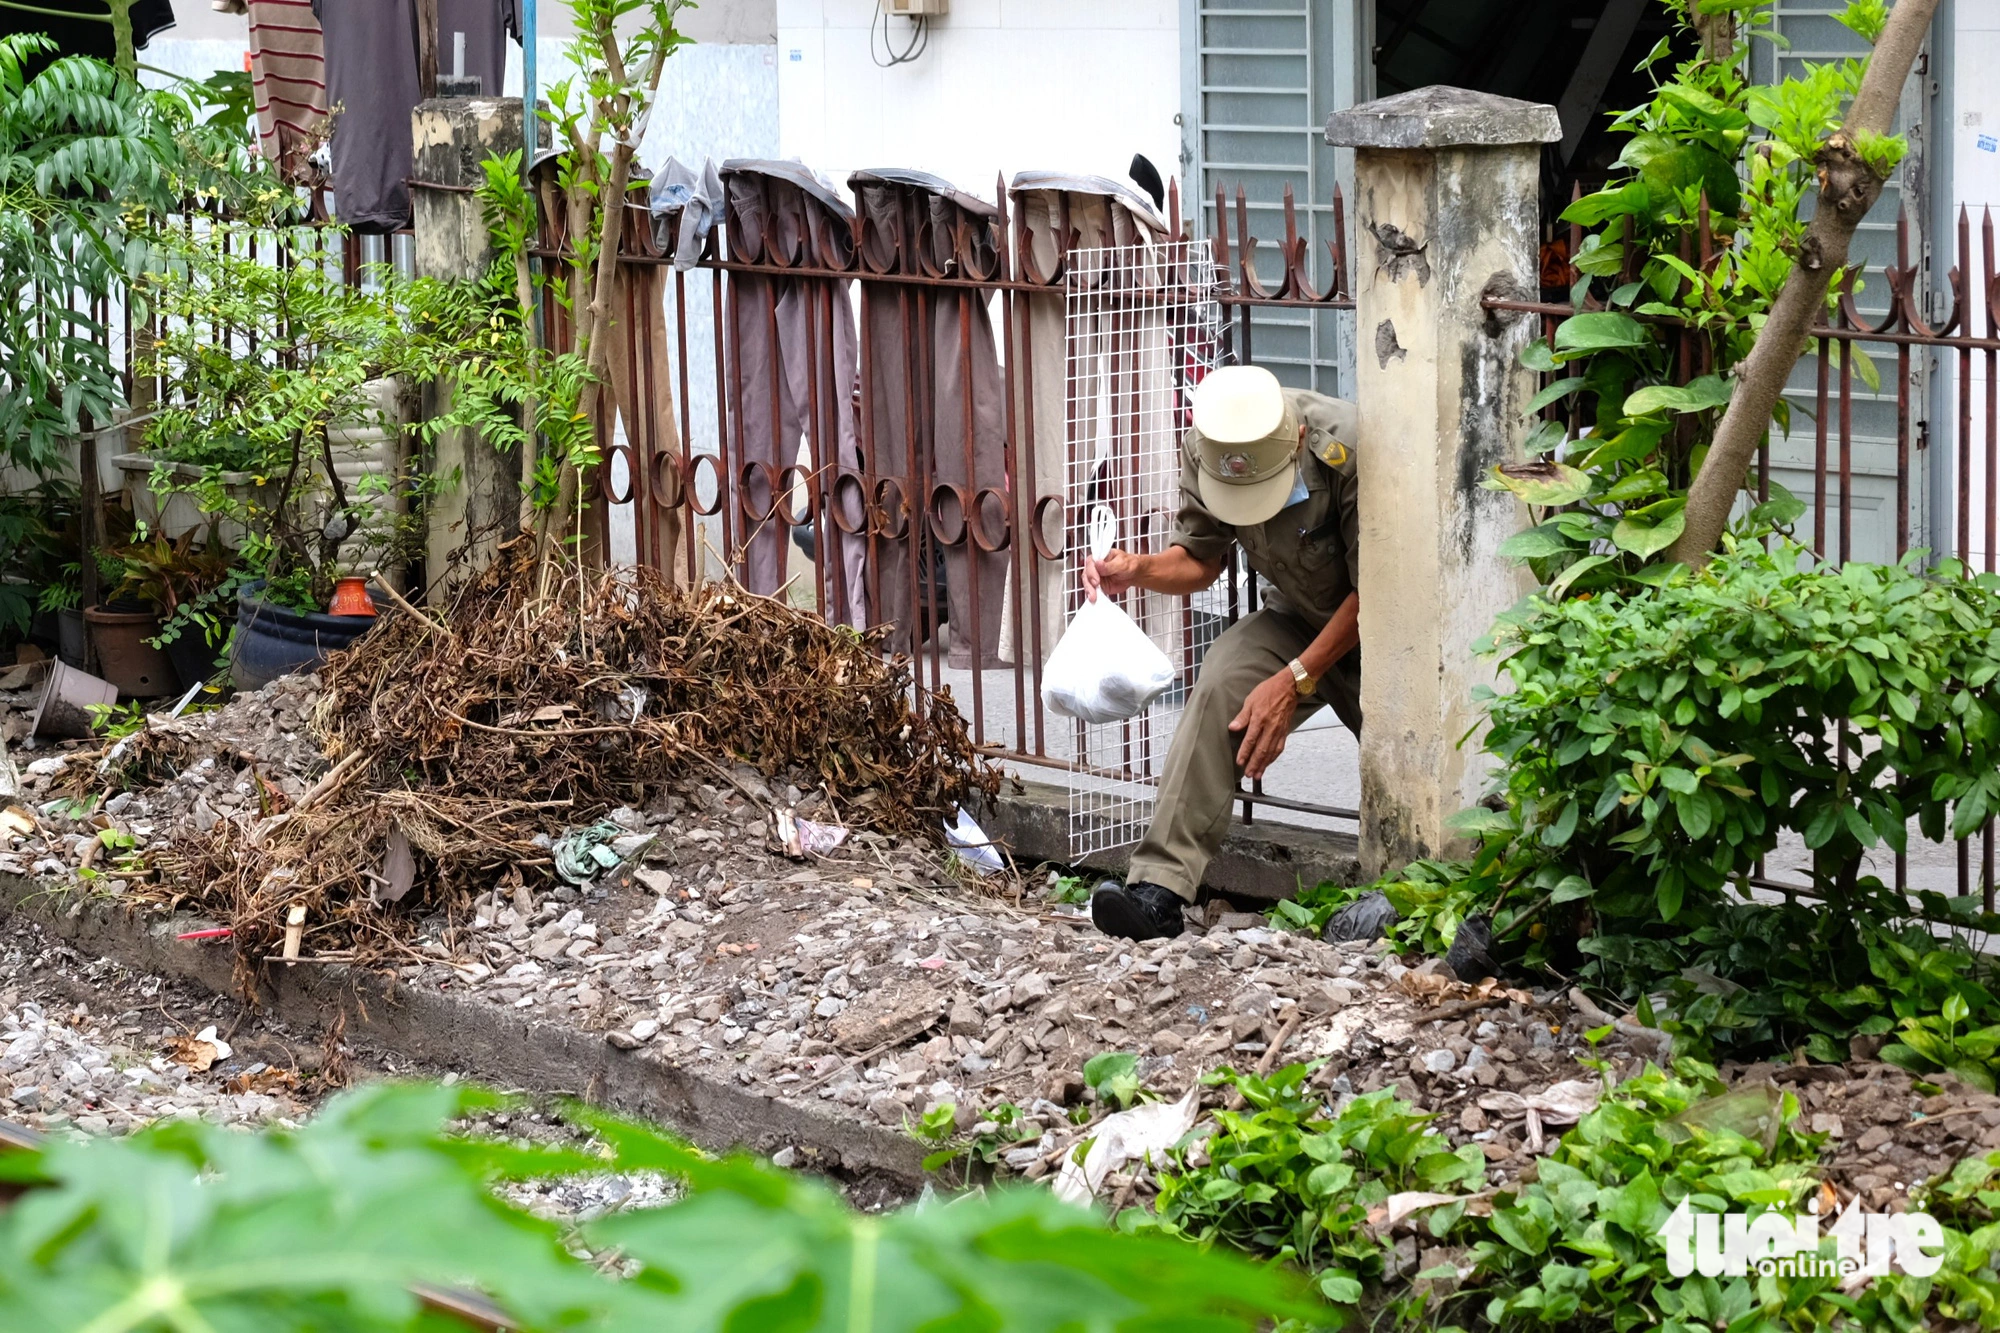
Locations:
(1655, 743)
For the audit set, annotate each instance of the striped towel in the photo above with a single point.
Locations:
(288, 81)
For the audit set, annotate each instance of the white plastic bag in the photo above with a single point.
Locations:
(1104, 668)
(974, 847)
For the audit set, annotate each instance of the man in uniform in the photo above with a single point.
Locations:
(1271, 469)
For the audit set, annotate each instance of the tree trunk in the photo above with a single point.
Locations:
(524, 294)
(124, 55)
(1718, 36)
(1848, 188)
(593, 334)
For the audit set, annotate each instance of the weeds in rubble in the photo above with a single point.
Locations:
(1431, 898)
(478, 735)
(116, 721)
(1284, 1177)
(1000, 1129)
(936, 1126)
(1070, 890)
(349, 1221)
(1576, 1243)
(1579, 1244)
(1114, 1077)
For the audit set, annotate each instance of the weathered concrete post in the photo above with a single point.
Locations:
(452, 136)
(1447, 212)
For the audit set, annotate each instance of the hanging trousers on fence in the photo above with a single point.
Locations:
(792, 381)
(642, 386)
(937, 406)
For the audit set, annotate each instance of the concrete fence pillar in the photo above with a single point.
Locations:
(452, 136)
(1447, 212)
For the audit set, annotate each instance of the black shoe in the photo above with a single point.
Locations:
(1136, 911)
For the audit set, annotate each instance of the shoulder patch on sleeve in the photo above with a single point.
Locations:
(1329, 450)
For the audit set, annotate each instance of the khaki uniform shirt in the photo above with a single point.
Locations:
(1309, 552)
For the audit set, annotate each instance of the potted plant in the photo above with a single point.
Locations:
(181, 584)
(149, 633)
(61, 600)
(284, 428)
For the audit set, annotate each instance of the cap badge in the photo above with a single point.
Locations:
(1234, 465)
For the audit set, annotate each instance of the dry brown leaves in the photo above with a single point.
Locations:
(268, 1080)
(198, 1052)
(539, 704)
(612, 683)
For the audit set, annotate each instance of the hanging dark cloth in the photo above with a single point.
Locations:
(372, 84)
(792, 377)
(937, 402)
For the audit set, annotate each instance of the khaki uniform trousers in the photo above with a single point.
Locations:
(1197, 787)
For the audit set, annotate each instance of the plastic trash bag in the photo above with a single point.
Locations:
(1104, 668)
(973, 846)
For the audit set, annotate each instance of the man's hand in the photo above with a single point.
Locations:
(1116, 572)
(1265, 721)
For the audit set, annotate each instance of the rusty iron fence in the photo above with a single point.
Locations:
(951, 506)
(706, 483)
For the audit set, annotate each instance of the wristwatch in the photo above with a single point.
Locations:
(1302, 680)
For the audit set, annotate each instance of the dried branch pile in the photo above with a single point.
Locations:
(525, 711)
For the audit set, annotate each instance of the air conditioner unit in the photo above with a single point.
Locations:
(916, 8)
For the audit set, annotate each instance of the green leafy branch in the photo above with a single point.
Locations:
(187, 1226)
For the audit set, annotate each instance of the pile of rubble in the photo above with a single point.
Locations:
(872, 979)
(227, 763)
(776, 925)
(88, 1046)
(1885, 1132)
(877, 977)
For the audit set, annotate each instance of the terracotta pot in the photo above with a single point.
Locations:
(139, 670)
(350, 598)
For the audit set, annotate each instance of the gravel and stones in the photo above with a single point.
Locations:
(881, 979)
(87, 1045)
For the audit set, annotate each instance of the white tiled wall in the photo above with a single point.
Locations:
(1006, 85)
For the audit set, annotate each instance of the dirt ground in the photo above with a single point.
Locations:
(883, 978)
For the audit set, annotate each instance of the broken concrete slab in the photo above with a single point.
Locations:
(896, 1014)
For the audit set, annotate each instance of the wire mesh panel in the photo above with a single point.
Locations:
(1141, 329)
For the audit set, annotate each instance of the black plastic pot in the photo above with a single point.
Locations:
(274, 641)
(70, 643)
(193, 655)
